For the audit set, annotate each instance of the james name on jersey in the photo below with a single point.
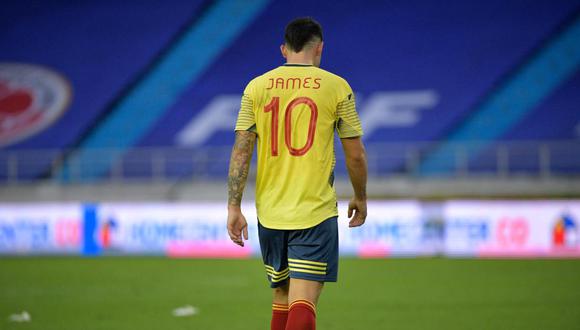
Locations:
(294, 83)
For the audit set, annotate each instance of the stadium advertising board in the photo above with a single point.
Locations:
(40, 228)
(512, 228)
(392, 229)
(175, 229)
(197, 230)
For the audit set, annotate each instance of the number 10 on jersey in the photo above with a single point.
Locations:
(274, 108)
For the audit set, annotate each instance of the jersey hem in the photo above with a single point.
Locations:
(291, 227)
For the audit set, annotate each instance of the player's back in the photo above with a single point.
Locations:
(295, 110)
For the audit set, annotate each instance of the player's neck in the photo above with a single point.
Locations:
(300, 58)
(299, 63)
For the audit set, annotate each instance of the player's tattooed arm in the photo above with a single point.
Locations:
(240, 166)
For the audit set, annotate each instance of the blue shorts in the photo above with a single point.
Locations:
(309, 254)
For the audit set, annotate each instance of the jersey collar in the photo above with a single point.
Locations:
(297, 64)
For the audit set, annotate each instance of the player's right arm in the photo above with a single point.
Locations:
(356, 163)
(239, 168)
(237, 177)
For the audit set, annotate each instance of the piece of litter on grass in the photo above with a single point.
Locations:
(22, 317)
(187, 310)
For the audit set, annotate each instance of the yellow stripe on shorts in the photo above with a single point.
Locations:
(272, 270)
(291, 264)
(301, 270)
(315, 263)
(279, 275)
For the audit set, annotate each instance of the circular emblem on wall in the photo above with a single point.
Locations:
(31, 99)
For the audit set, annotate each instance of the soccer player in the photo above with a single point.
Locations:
(292, 112)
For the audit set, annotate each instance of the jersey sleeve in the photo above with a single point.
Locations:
(246, 120)
(348, 123)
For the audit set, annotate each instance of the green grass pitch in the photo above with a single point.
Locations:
(122, 293)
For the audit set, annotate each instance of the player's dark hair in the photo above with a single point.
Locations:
(301, 31)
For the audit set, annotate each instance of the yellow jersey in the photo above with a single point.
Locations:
(294, 110)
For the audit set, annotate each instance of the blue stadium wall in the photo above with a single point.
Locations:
(159, 73)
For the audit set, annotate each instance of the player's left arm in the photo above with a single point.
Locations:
(350, 131)
(237, 177)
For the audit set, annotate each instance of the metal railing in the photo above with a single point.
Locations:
(536, 159)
